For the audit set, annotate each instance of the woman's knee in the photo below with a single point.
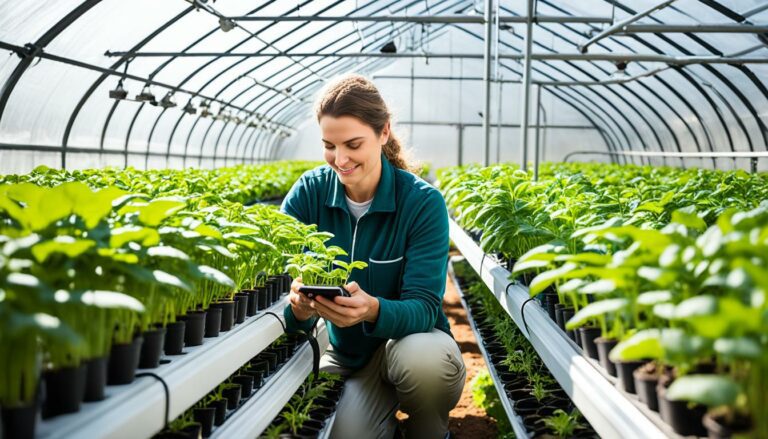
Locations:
(425, 358)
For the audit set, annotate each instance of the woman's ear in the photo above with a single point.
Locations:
(384, 137)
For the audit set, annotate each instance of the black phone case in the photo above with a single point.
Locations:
(328, 292)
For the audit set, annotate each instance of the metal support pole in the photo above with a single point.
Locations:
(410, 112)
(536, 138)
(496, 44)
(487, 80)
(729, 28)
(753, 165)
(444, 78)
(525, 92)
(434, 19)
(546, 56)
(498, 125)
(460, 159)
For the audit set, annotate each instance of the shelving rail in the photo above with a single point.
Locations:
(611, 411)
(137, 410)
(517, 423)
(253, 417)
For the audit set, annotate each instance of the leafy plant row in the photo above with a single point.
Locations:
(222, 402)
(86, 275)
(308, 410)
(536, 396)
(514, 214)
(646, 263)
(245, 184)
(690, 299)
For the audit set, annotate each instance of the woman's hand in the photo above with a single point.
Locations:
(300, 305)
(348, 311)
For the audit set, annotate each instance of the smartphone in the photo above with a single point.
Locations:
(327, 292)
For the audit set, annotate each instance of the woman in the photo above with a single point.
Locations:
(391, 337)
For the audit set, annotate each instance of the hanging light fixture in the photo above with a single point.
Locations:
(389, 47)
(167, 101)
(621, 71)
(226, 24)
(205, 107)
(189, 108)
(119, 92)
(146, 95)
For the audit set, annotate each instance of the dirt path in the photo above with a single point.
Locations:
(467, 420)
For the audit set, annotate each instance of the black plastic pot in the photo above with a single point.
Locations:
(518, 394)
(559, 316)
(220, 406)
(282, 352)
(604, 346)
(64, 390)
(309, 430)
(624, 370)
(195, 329)
(241, 307)
(333, 395)
(277, 288)
(227, 314)
(95, 379)
(498, 358)
(205, 416)
(246, 385)
(588, 336)
(567, 314)
(550, 299)
(233, 395)
(19, 422)
(279, 282)
(527, 406)
(271, 357)
(212, 323)
(320, 414)
(191, 432)
(684, 421)
(123, 362)
(262, 298)
(253, 305)
(556, 402)
(152, 348)
(645, 386)
(174, 338)
(262, 366)
(323, 402)
(546, 410)
(258, 377)
(717, 430)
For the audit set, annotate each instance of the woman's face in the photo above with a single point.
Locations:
(353, 150)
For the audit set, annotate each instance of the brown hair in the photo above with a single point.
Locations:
(356, 96)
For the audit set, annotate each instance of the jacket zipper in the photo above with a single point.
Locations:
(354, 236)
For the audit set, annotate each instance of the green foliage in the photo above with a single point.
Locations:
(670, 262)
(296, 411)
(484, 395)
(88, 258)
(563, 424)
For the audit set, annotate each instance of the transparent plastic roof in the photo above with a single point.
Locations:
(241, 85)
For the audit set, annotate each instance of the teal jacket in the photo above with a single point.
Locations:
(404, 239)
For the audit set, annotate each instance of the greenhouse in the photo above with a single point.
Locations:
(385, 219)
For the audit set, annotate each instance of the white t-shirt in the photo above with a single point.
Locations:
(358, 209)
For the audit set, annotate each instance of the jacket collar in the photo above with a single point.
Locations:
(383, 200)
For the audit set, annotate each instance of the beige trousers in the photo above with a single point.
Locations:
(422, 375)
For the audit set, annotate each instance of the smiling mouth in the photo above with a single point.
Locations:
(348, 171)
